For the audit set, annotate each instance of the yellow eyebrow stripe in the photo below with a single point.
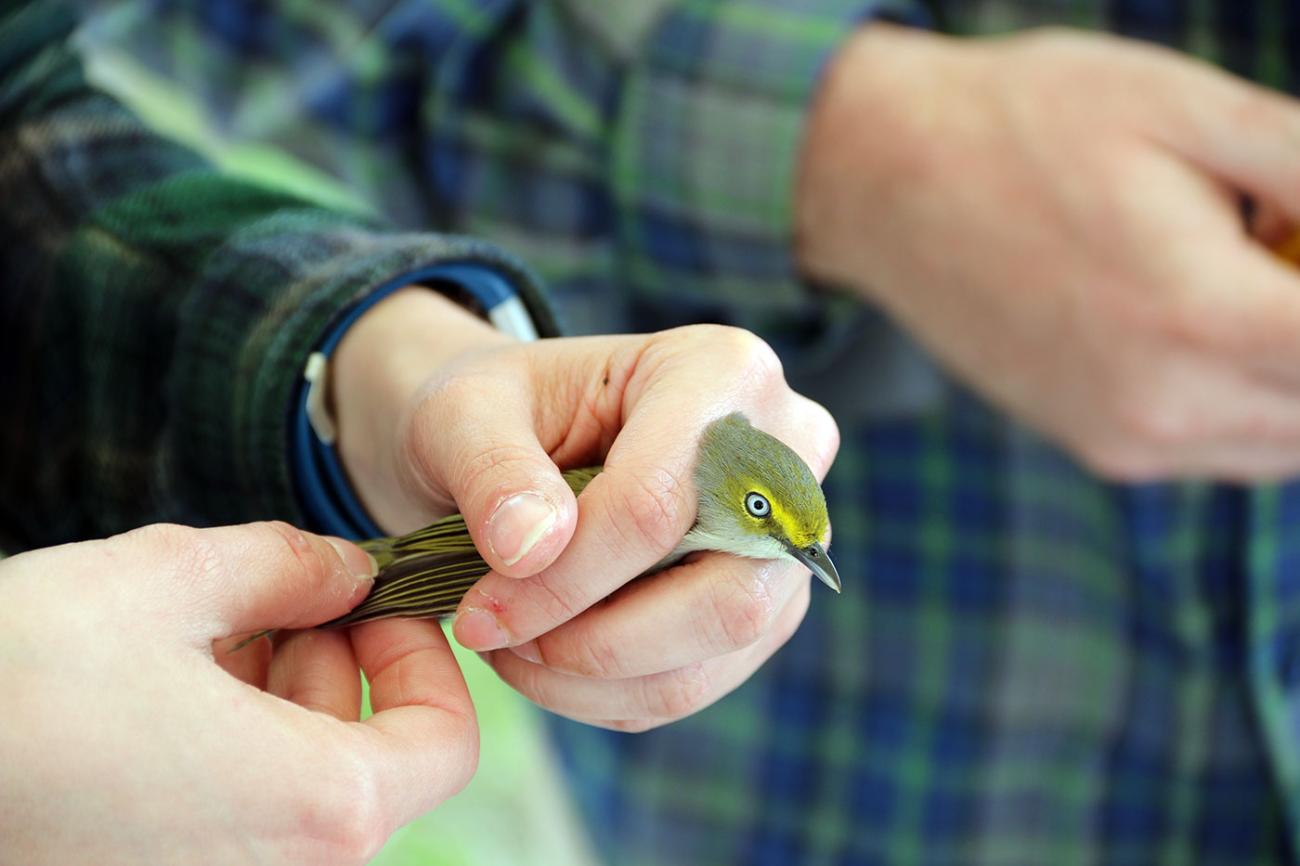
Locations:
(785, 518)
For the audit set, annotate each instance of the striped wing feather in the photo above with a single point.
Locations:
(425, 574)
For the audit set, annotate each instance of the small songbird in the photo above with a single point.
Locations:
(757, 499)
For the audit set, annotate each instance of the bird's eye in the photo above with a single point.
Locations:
(757, 504)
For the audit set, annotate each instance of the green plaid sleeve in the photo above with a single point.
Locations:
(156, 313)
(706, 144)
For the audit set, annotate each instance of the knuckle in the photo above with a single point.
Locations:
(1197, 325)
(677, 693)
(188, 560)
(654, 506)
(1265, 428)
(751, 353)
(197, 560)
(469, 751)
(478, 473)
(291, 543)
(744, 609)
(170, 540)
(554, 605)
(462, 741)
(825, 437)
(739, 349)
(788, 624)
(1157, 425)
(344, 818)
(1254, 113)
(533, 682)
(587, 656)
(1121, 461)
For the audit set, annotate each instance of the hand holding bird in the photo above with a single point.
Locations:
(439, 413)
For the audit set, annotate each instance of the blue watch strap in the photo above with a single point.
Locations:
(330, 503)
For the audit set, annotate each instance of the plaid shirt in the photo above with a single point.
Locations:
(157, 314)
(1028, 666)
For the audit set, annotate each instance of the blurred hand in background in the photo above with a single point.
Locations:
(1058, 217)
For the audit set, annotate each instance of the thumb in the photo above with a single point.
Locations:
(484, 453)
(235, 579)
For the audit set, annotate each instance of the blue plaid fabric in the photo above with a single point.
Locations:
(1028, 666)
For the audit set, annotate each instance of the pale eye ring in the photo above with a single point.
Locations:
(757, 505)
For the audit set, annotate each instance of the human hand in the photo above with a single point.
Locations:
(1058, 218)
(436, 412)
(126, 743)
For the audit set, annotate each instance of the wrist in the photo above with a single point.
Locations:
(872, 139)
(381, 364)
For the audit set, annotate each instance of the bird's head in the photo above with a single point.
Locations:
(757, 498)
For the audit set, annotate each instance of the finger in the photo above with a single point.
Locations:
(317, 670)
(807, 427)
(1193, 416)
(246, 578)
(638, 509)
(1247, 464)
(660, 697)
(1241, 132)
(485, 453)
(712, 606)
(422, 741)
(249, 665)
(1242, 303)
(1255, 434)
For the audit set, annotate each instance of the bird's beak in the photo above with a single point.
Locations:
(814, 557)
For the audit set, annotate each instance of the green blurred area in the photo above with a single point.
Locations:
(515, 810)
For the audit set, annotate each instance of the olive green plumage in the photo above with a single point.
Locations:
(736, 460)
(756, 498)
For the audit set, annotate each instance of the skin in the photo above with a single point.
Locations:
(561, 624)
(131, 744)
(1062, 228)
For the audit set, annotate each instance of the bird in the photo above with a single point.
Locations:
(756, 499)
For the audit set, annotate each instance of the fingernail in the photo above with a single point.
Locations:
(360, 563)
(479, 630)
(518, 524)
(528, 652)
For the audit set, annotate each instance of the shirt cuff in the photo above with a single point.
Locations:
(327, 497)
(706, 150)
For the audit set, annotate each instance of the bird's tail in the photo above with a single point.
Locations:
(421, 575)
